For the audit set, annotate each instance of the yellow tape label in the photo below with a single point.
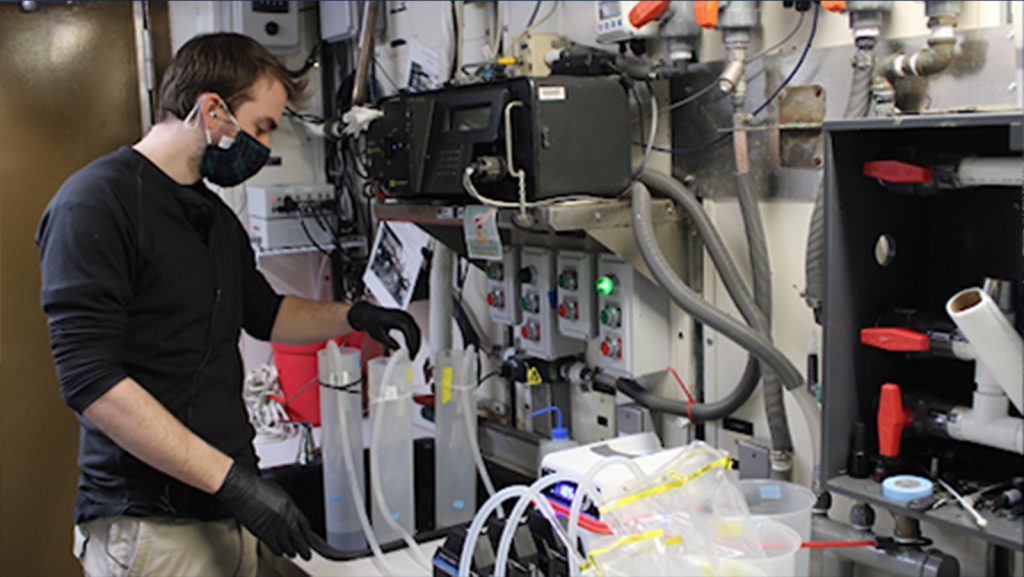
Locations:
(533, 377)
(724, 462)
(446, 385)
(652, 534)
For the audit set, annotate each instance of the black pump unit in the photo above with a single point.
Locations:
(569, 135)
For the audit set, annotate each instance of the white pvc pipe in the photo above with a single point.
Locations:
(375, 472)
(440, 312)
(990, 172)
(986, 422)
(995, 342)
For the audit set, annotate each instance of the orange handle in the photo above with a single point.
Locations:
(834, 5)
(706, 13)
(645, 12)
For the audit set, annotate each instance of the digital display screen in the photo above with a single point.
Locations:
(609, 10)
(470, 118)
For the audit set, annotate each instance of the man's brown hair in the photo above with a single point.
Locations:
(224, 63)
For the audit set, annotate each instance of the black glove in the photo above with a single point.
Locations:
(267, 511)
(378, 321)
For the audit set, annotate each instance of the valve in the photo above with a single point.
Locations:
(892, 419)
(706, 13)
(895, 339)
(836, 6)
(898, 172)
(646, 12)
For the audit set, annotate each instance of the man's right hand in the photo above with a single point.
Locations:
(267, 511)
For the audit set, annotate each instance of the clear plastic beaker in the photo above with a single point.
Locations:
(786, 503)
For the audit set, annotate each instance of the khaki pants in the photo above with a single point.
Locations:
(129, 546)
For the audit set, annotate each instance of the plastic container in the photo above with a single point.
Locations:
(391, 447)
(781, 545)
(454, 468)
(297, 372)
(559, 440)
(341, 404)
(786, 503)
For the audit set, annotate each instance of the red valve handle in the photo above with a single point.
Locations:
(706, 13)
(898, 172)
(646, 12)
(895, 339)
(834, 5)
(892, 419)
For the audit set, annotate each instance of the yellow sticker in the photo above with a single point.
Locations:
(724, 462)
(408, 376)
(533, 376)
(446, 385)
(729, 529)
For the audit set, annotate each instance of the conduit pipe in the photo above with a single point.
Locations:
(942, 21)
(441, 306)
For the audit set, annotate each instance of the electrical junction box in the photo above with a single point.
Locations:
(277, 214)
(633, 320)
(537, 332)
(576, 318)
(631, 418)
(337, 20)
(503, 287)
(272, 24)
(613, 23)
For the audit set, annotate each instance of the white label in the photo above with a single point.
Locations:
(551, 93)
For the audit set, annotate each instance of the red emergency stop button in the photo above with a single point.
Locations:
(898, 172)
(895, 339)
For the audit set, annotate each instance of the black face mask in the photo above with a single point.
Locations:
(232, 161)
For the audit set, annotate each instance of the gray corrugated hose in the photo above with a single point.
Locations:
(692, 303)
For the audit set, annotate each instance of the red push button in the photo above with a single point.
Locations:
(895, 339)
(897, 172)
(490, 299)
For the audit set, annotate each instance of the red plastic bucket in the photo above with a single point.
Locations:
(298, 374)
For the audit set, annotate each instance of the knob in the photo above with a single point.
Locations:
(496, 299)
(495, 271)
(530, 303)
(612, 347)
(272, 28)
(611, 316)
(567, 280)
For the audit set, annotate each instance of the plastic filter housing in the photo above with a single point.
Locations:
(454, 469)
(391, 440)
(341, 392)
(785, 503)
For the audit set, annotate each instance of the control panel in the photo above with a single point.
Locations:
(633, 320)
(273, 24)
(537, 332)
(283, 199)
(503, 287)
(575, 303)
(291, 215)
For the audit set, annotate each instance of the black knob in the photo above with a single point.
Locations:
(272, 28)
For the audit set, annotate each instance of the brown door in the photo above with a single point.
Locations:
(68, 94)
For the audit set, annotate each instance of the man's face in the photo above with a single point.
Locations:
(261, 114)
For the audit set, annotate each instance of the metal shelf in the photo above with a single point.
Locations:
(999, 530)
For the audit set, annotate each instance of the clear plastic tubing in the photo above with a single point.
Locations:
(587, 486)
(454, 471)
(534, 495)
(391, 449)
(477, 526)
(353, 483)
(340, 396)
(469, 411)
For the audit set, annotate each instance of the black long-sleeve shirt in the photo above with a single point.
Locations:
(149, 279)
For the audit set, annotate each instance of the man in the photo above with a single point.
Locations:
(148, 279)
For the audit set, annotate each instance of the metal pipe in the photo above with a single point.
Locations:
(359, 90)
(440, 317)
(899, 562)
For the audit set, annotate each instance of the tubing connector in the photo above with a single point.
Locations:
(925, 62)
(782, 465)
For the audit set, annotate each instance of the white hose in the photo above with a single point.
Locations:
(382, 563)
(469, 412)
(587, 486)
(512, 523)
(476, 527)
(375, 473)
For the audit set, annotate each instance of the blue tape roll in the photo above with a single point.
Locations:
(904, 488)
